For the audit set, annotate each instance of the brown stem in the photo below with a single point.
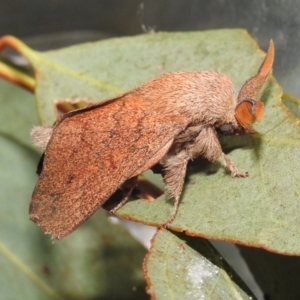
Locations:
(8, 72)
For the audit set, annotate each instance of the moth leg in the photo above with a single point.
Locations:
(232, 168)
(204, 143)
(208, 145)
(174, 175)
(127, 186)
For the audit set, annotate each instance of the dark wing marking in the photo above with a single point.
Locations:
(91, 153)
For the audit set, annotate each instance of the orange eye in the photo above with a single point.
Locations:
(247, 111)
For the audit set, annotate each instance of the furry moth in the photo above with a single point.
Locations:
(89, 153)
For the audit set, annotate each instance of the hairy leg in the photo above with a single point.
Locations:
(232, 168)
(208, 145)
(175, 164)
(174, 175)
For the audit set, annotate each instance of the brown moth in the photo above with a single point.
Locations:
(92, 152)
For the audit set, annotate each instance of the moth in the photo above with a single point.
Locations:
(92, 152)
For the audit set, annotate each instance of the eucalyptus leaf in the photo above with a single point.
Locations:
(293, 105)
(182, 267)
(99, 70)
(262, 210)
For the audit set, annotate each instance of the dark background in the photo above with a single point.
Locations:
(56, 23)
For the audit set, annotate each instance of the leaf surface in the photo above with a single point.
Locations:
(181, 267)
(262, 210)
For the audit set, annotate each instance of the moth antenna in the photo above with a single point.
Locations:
(252, 86)
(267, 64)
(40, 136)
(247, 111)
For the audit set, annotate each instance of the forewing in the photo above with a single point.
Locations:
(91, 153)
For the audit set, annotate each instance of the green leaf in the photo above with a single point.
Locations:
(102, 69)
(89, 264)
(17, 114)
(262, 210)
(182, 267)
(293, 105)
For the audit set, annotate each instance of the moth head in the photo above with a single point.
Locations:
(246, 112)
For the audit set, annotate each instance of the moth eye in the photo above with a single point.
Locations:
(227, 129)
(247, 111)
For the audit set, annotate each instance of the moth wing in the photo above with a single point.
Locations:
(92, 152)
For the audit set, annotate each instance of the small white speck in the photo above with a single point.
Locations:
(113, 220)
(199, 270)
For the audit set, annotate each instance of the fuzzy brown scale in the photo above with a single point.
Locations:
(90, 153)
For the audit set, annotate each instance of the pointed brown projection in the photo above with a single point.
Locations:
(91, 153)
(248, 109)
